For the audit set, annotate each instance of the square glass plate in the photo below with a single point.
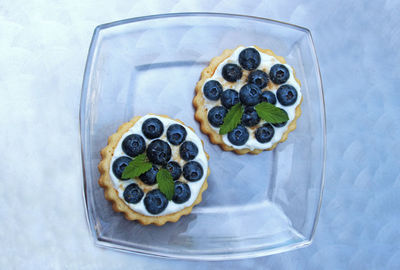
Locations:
(255, 205)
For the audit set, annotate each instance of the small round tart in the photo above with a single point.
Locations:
(167, 144)
(247, 75)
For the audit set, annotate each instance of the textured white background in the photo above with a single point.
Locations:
(43, 48)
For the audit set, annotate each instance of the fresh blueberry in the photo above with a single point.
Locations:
(279, 74)
(176, 134)
(287, 95)
(249, 58)
(155, 202)
(268, 96)
(265, 133)
(229, 98)
(238, 136)
(152, 128)
(119, 166)
(216, 116)
(212, 90)
(250, 94)
(259, 78)
(188, 150)
(133, 145)
(175, 169)
(279, 124)
(181, 192)
(149, 177)
(250, 117)
(192, 171)
(159, 152)
(133, 193)
(283, 123)
(231, 72)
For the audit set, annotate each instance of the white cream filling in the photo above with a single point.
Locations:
(267, 61)
(194, 186)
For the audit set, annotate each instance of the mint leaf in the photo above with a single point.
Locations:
(231, 119)
(165, 183)
(136, 167)
(271, 113)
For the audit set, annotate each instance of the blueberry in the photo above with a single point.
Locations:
(181, 192)
(176, 134)
(192, 171)
(175, 169)
(250, 117)
(279, 124)
(119, 166)
(229, 98)
(238, 136)
(216, 116)
(149, 177)
(279, 73)
(268, 96)
(250, 94)
(159, 152)
(155, 202)
(283, 123)
(265, 133)
(287, 95)
(133, 193)
(249, 58)
(259, 78)
(133, 145)
(231, 72)
(188, 150)
(152, 128)
(212, 90)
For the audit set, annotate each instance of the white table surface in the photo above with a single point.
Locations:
(43, 48)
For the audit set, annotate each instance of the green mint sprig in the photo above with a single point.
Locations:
(136, 167)
(232, 119)
(166, 183)
(271, 113)
(139, 165)
(265, 111)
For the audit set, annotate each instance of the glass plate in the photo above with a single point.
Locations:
(255, 205)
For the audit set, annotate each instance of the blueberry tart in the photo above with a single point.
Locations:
(154, 169)
(247, 100)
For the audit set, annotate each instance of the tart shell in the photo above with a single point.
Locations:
(111, 194)
(201, 111)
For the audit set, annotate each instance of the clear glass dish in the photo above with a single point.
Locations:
(255, 205)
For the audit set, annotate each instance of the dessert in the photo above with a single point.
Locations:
(247, 100)
(154, 169)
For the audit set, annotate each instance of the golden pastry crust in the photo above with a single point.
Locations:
(201, 111)
(111, 193)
